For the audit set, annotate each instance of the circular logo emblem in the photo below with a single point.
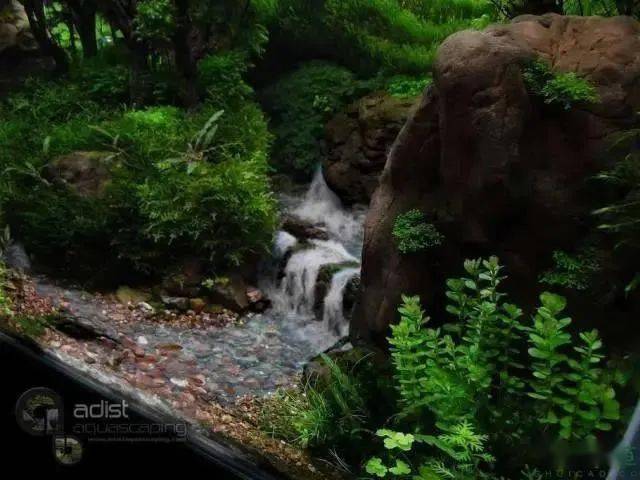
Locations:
(39, 411)
(67, 450)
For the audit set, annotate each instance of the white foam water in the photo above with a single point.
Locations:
(293, 295)
(333, 314)
(296, 294)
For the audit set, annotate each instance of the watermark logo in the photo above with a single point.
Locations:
(67, 450)
(102, 410)
(40, 412)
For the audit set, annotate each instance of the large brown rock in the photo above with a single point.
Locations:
(494, 168)
(358, 142)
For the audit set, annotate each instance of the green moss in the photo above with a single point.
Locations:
(402, 86)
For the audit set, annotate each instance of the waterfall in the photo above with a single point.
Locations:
(293, 289)
(297, 289)
(333, 315)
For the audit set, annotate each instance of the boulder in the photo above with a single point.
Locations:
(15, 257)
(496, 169)
(87, 173)
(229, 292)
(358, 141)
(258, 302)
(185, 279)
(14, 28)
(130, 296)
(181, 304)
(303, 229)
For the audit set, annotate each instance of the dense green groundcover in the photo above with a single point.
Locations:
(168, 195)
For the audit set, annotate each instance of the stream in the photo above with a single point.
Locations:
(262, 352)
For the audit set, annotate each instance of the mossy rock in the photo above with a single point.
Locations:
(86, 173)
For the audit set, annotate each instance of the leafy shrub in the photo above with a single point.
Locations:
(299, 104)
(477, 386)
(572, 271)
(462, 454)
(223, 211)
(563, 89)
(413, 233)
(122, 227)
(103, 82)
(407, 87)
(222, 76)
(322, 413)
(155, 19)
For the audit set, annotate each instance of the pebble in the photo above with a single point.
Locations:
(180, 382)
(142, 340)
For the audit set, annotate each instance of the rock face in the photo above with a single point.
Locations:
(87, 173)
(358, 141)
(495, 169)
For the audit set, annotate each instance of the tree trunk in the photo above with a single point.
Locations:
(38, 23)
(84, 18)
(121, 14)
(185, 61)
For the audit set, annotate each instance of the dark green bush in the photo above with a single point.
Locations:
(220, 206)
(300, 103)
(222, 77)
(222, 210)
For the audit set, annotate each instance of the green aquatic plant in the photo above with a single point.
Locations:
(413, 234)
(566, 89)
(407, 87)
(572, 271)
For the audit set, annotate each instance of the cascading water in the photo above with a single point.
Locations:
(295, 293)
(333, 315)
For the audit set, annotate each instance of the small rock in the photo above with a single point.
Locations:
(303, 229)
(145, 307)
(142, 340)
(138, 352)
(180, 382)
(197, 304)
(176, 303)
(170, 347)
(127, 295)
